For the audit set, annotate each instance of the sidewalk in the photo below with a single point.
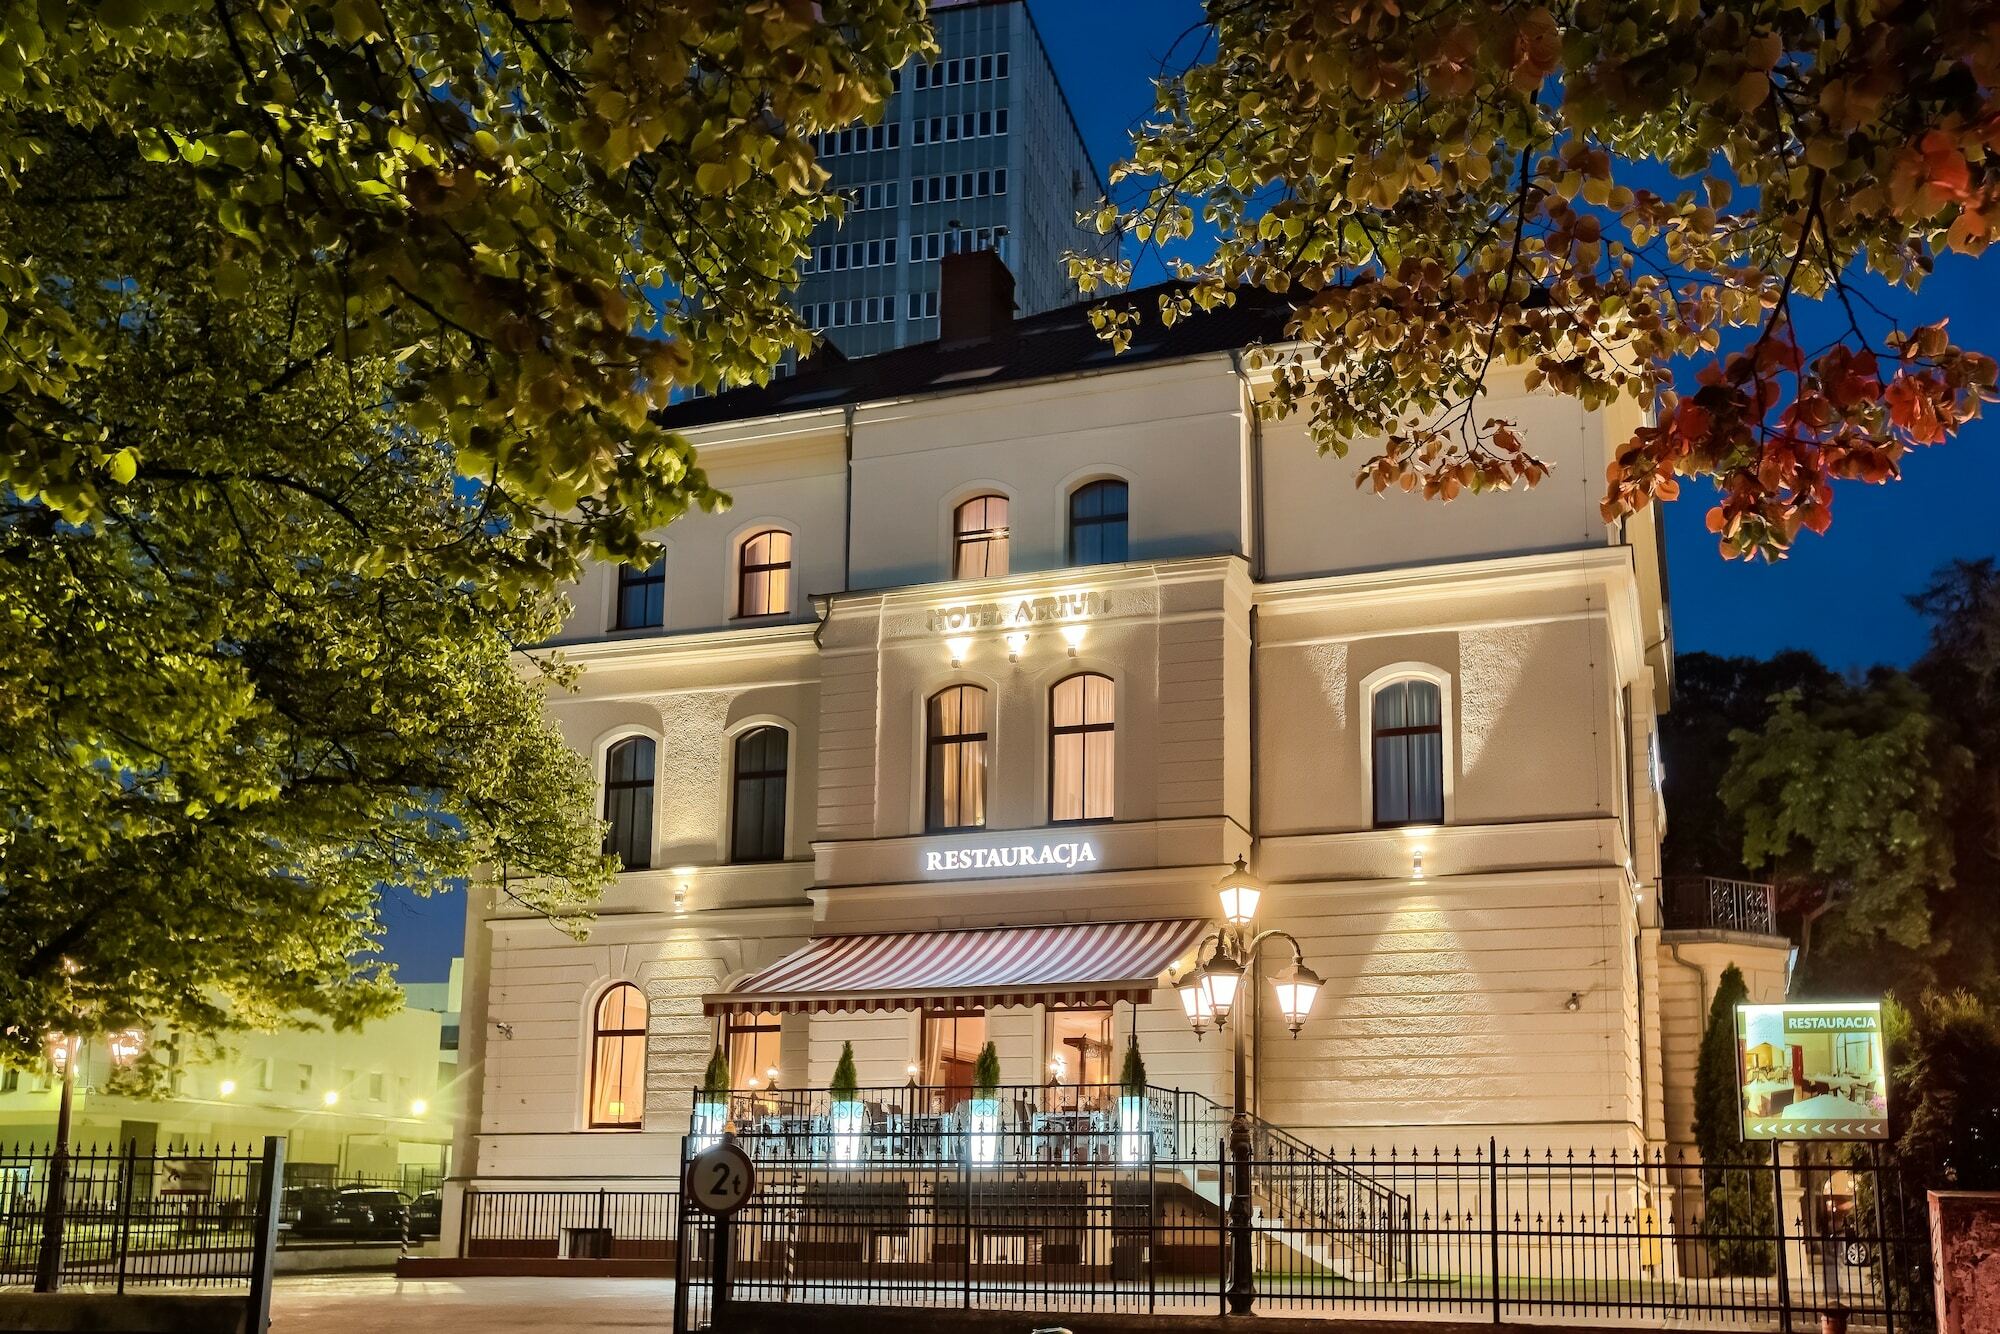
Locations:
(383, 1304)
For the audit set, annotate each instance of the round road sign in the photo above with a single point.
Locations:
(719, 1179)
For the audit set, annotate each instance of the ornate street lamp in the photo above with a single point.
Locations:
(1189, 988)
(1209, 994)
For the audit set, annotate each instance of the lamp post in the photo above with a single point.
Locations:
(1209, 994)
(64, 1052)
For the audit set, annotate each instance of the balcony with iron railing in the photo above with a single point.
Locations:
(1715, 903)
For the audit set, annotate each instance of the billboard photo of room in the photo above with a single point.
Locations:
(1812, 1071)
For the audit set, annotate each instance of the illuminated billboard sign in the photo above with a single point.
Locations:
(1812, 1071)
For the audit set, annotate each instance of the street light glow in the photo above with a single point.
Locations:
(331, 1097)
(418, 1107)
(226, 1087)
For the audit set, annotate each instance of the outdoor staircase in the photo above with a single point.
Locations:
(1327, 1213)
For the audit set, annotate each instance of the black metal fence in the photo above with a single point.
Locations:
(188, 1218)
(1488, 1233)
(570, 1224)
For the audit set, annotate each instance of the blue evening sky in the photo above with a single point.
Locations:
(1840, 595)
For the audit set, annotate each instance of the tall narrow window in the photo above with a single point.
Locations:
(628, 802)
(642, 595)
(757, 822)
(979, 542)
(618, 1060)
(1082, 748)
(1409, 754)
(951, 1043)
(764, 574)
(752, 1044)
(1097, 534)
(956, 771)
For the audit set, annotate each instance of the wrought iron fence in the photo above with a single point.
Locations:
(1491, 1233)
(186, 1218)
(570, 1224)
(1707, 902)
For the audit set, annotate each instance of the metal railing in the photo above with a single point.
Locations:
(1713, 903)
(1048, 1123)
(570, 1224)
(1490, 1233)
(189, 1218)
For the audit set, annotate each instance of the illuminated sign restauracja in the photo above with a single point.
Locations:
(1029, 857)
(1054, 609)
(1812, 1071)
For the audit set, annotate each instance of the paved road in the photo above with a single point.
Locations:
(381, 1304)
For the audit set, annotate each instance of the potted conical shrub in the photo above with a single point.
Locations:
(1132, 1105)
(711, 1107)
(983, 1111)
(848, 1118)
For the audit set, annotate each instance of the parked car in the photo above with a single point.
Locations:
(427, 1215)
(348, 1211)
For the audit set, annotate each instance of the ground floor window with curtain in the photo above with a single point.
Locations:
(951, 1044)
(752, 1049)
(1078, 1043)
(618, 1059)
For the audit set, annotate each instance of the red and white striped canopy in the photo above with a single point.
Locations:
(1078, 963)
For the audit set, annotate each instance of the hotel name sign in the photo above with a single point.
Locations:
(1055, 609)
(1037, 856)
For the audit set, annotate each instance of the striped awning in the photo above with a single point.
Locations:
(1078, 963)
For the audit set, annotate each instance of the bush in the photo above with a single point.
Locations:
(1132, 1077)
(715, 1079)
(846, 1084)
(1738, 1218)
(986, 1071)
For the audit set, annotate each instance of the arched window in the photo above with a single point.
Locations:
(1097, 524)
(1409, 754)
(1082, 748)
(764, 574)
(628, 802)
(757, 819)
(979, 538)
(955, 729)
(618, 1059)
(642, 595)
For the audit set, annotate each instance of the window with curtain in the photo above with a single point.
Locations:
(979, 538)
(1097, 533)
(751, 1041)
(1082, 748)
(764, 574)
(757, 818)
(955, 770)
(1409, 754)
(618, 1059)
(952, 1039)
(628, 802)
(642, 595)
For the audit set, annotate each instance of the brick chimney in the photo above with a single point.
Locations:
(976, 297)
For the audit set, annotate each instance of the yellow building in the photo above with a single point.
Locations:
(366, 1103)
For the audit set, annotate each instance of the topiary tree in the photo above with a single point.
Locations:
(986, 1071)
(1132, 1075)
(846, 1083)
(715, 1079)
(1738, 1220)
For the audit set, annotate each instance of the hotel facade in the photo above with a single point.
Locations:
(1006, 649)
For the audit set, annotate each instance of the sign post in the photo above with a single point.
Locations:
(720, 1180)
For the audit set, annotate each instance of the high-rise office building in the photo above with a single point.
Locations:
(977, 149)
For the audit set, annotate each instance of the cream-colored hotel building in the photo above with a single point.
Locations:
(1006, 631)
